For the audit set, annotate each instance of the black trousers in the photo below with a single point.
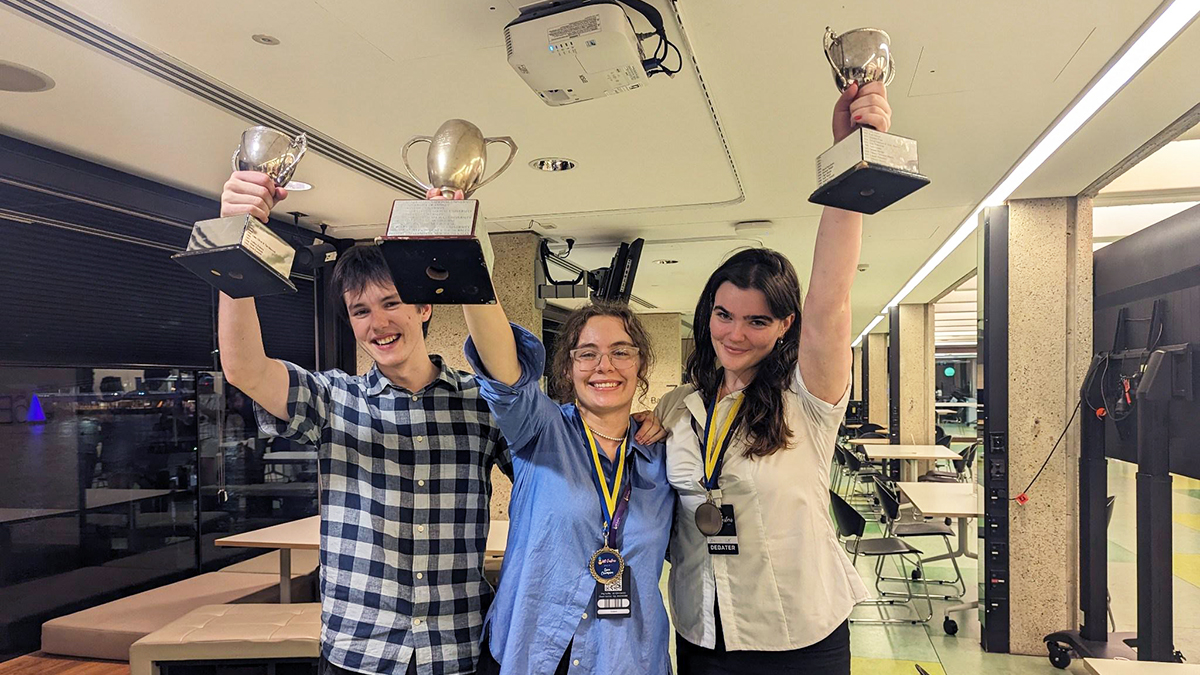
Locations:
(328, 668)
(830, 656)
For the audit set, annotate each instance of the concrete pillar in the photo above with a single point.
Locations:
(877, 378)
(513, 278)
(666, 338)
(1049, 348)
(916, 394)
(857, 383)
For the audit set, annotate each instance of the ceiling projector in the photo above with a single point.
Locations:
(569, 51)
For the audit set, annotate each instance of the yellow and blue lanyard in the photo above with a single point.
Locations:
(612, 501)
(716, 443)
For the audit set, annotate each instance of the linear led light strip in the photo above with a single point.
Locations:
(1163, 30)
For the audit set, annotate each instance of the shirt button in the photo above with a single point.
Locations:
(414, 397)
(421, 576)
(421, 482)
(417, 622)
(420, 439)
(575, 662)
(420, 528)
(585, 615)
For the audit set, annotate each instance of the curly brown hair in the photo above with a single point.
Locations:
(562, 388)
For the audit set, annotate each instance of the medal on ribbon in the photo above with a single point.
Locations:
(708, 515)
(607, 563)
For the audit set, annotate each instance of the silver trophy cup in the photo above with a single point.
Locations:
(239, 255)
(437, 250)
(868, 170)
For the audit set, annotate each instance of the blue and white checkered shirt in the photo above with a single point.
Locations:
(405, 487)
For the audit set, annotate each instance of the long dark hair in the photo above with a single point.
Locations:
(562, 388)
(761, 417)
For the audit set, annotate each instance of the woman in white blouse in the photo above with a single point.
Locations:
(758, 580)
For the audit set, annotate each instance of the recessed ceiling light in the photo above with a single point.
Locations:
(296, 186)
(553, 164)
(23, 79)
(264, 39)
(666, 261)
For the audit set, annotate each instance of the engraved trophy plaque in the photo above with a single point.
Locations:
(436, 249)
(239, 255)
(868, 170)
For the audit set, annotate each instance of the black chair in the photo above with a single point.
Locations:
(963, 468)
(859, 474)
(839, 467)
(851, 526)
(893, 526)
(869, 428)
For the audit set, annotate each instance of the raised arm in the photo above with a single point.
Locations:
(239, 335)
(825, 359)
(489, 328)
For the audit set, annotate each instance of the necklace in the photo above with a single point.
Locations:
(617, 439)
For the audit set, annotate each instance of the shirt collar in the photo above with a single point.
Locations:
(633, 429)
(376, 382)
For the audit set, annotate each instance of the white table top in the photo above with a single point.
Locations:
(290, 456)
(306, 534)
(868, 441)
(943, 500)
(956, 404)
(97, 498)
(910, 452)
(101, 497)
(20, 515)
(1111, 667)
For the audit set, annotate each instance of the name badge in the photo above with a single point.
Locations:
(725, 542)
(613, 601)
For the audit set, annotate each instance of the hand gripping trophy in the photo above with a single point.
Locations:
(436, 250)
(868, 170)
(239, 255)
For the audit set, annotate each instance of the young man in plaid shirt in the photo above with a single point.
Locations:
(406, 453)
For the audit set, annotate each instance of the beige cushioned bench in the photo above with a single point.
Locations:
(232, 632)
(106, 631)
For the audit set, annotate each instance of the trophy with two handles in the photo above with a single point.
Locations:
(437, 250)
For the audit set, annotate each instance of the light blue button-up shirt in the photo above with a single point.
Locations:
(547, 598)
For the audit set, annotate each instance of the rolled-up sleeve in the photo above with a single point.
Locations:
(521, 409)
(308, 408)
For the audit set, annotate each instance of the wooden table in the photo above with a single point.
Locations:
(910, 454)
(305, 534)
(1113, 667)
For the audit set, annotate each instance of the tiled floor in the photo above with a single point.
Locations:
(894, 649)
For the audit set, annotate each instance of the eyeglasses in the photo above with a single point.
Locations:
(589, 358)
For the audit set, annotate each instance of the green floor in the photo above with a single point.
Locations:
(884, 650)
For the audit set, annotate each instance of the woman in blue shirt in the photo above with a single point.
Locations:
(591, 507)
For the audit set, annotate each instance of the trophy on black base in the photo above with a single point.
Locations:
(435, 249)
(868, 170)
(239, 255)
